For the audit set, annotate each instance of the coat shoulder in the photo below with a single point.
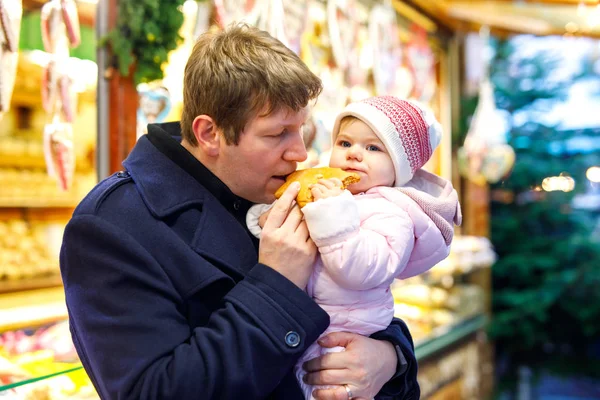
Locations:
(114, 193)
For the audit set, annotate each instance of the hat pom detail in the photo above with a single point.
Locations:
(434, 128)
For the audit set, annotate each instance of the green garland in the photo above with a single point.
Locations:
(145, 33)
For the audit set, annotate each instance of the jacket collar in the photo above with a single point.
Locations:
(164, 187)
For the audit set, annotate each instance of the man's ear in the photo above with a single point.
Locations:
(207, 134)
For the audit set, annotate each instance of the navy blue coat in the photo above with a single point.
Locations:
(166, 298)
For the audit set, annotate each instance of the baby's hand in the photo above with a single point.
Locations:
(326, 188)
(263, 218)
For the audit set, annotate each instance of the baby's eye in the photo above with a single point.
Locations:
(344, 143)
(372, 147)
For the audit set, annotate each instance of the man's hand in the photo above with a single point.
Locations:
(365, 366)
(262, 220)
(326, 188)
(285, 244)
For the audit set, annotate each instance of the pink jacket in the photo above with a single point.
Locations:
(368, 240)
(365, 242)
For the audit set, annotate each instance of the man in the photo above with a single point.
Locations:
(169, 295)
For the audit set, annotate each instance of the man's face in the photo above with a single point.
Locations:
(269, 149)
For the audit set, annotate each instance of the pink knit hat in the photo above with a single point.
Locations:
(409, 132)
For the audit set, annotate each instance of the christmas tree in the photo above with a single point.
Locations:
(546, 296)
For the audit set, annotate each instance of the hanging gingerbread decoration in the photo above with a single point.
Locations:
(60, 32)
(421, 62)
(342, 21)
(387, 49)
(230, 11)
(59, 153)
(285, 20)
(485, 156)
(11, 12)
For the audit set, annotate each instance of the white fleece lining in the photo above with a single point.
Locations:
(332, 219)
(427, 182)
(252, 217)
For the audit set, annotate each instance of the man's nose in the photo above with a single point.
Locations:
(296, 150)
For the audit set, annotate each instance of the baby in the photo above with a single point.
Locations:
(396, 222)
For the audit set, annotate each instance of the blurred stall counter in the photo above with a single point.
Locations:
(447, 310)
(42, 363)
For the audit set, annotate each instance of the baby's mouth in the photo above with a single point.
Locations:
(353, 170)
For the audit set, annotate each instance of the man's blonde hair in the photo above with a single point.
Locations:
(239, 72)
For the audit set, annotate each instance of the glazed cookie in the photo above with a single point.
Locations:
(310, 176)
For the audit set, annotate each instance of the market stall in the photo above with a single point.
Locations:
(51, 154)
(47, 164)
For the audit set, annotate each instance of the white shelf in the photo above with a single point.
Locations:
(32, 308)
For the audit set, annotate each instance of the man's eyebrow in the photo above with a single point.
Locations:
(294, 123)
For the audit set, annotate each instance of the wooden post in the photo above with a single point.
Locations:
(477, 211)
(117, 102)
(123, 104)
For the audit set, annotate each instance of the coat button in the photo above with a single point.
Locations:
(236, 205)
(123, 174)
(292, 339)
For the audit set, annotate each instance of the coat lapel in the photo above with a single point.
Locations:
(167, 190)
(222, 239)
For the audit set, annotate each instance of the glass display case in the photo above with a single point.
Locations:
(41, 363)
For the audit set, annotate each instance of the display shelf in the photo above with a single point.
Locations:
(24, 161)
(38, 190)
(67, 369)
(37, 214)
(29, 310)
(32, 308)
(38, 203)
(449, 279)
(445, 336)
(42, 282)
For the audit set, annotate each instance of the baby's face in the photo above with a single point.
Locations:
(358, 149)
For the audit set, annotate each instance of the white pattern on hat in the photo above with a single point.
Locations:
(410, 132)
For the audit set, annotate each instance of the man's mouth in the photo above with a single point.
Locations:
(284, 176)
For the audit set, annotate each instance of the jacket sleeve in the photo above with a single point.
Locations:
(360, 255)
(404, 384)
(130, 329)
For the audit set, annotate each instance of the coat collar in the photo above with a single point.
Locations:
(163, 185)
(166, 189)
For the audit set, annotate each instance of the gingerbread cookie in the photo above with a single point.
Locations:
(308, 177)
